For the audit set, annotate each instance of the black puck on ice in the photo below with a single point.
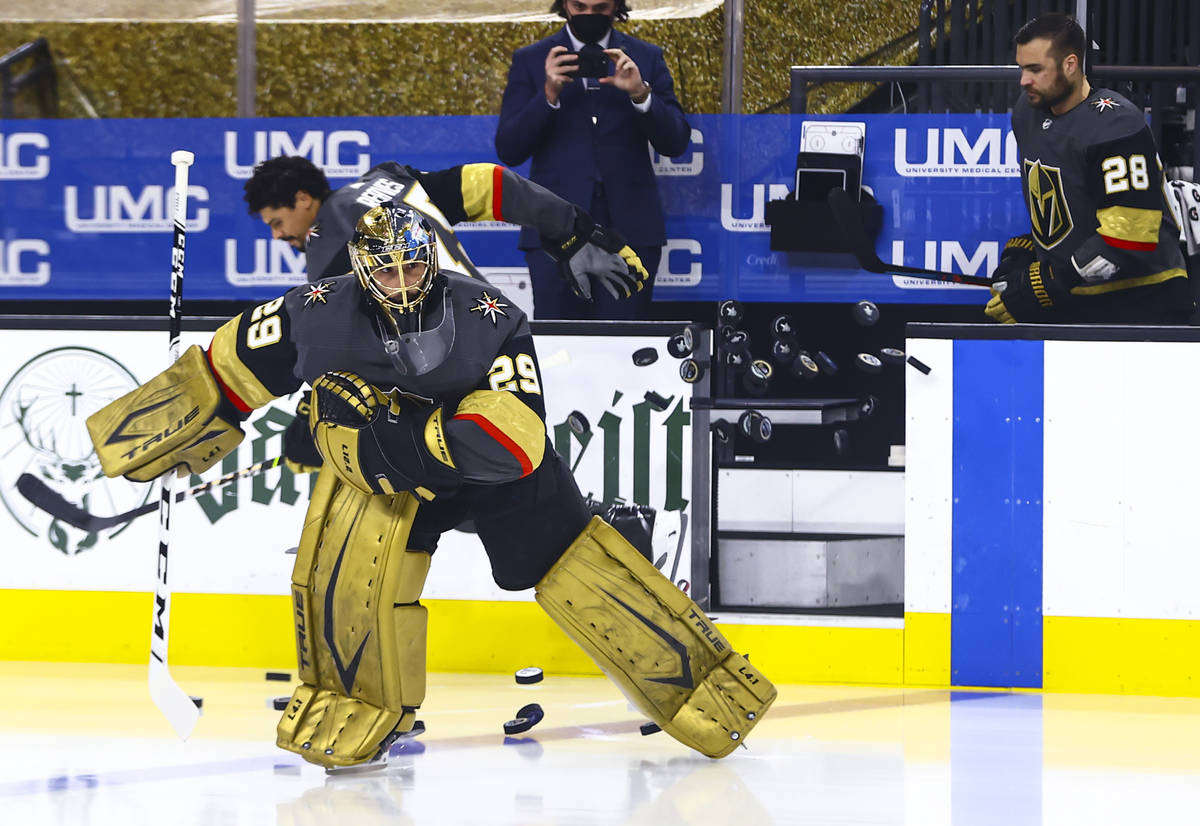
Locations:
(280, 676)
(527, 717)
(891, 355)
(868, 363)
(281, 703)
(691, 371)
(197, 701)
(578, 423)
(649, 728)
(644, 356)
(920, 365)
(529, 675)
(865, 313)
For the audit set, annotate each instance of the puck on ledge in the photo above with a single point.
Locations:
(529, 675)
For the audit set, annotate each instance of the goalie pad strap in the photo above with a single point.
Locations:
(170, 421)
(360, 632)
(654, 642)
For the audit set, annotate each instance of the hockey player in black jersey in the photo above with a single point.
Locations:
(427, 406)
(1104, 247)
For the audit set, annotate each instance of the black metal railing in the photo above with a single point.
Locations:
(28, 68)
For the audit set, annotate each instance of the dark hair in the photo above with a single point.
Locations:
(1064, 34)
(620, 12)
(275, 182)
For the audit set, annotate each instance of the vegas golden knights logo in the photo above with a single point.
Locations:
(1048, 209)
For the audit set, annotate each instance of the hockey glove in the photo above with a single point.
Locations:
(1027, 296)
(597, 254)
(300, 453)
(375, 445)
(1015, 258)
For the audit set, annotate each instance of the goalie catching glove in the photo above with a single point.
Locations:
(375, 444)
(178, 419)
(598, 254)
(1027, 295)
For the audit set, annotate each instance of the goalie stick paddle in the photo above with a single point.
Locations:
(849, 220)
(53, 503)
(171, 700)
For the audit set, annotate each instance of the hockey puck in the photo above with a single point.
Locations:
(737, 361)
(691, 371)
(529, 675)
(828, 365)
(730, 311)
(920, 365)
(865, 313)
(197, 701)
(738, 342)
(722, 431)
(841, 441)
(281, 703)
(649, 728)
(803, 366)
(645, 356)
(578, 423)
(783, 350)
(868, 363)
(891, 355)
(527, 717)
(868, 406)
(656, 401)
(756, 426)
(758, 377)
(279, 676)
(782, 326)
(682, 344)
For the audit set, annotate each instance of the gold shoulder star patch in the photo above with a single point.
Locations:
(1104, 103)
(490, 307)
(316, 293)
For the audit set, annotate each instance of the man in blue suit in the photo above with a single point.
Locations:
(588, 140)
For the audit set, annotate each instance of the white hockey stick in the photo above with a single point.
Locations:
(171, 700)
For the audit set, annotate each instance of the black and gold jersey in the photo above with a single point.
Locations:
(485, 372)
(1093, 185)
(471, 192)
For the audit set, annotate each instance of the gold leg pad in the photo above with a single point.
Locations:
(333, 730)
(654, 642)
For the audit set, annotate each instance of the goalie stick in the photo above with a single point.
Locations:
(53, 503)
(171, 700)
(848, 218)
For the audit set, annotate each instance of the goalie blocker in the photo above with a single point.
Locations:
(178, 419)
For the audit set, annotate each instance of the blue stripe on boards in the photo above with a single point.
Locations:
(996, 536)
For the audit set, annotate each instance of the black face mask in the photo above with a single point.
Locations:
(590, 28)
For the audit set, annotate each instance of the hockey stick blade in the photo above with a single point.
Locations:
(53, 503)
(846, 215)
